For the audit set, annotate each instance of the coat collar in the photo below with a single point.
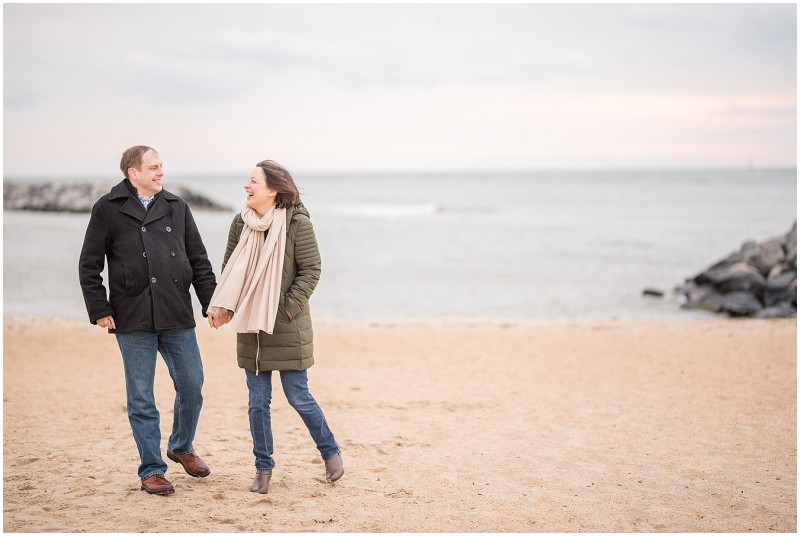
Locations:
(162, 205)
(289, 214)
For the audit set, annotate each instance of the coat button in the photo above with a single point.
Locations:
(169, 229)
(144, 254)
(172, 253)
(144, 229)
(153, 280)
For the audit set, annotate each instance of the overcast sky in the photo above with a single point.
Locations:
(404, 87)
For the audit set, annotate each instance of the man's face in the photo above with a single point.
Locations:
(148, 179)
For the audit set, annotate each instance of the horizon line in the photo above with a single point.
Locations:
(454, 171)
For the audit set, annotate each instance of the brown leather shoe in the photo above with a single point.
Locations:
(261, 483)
(191, 462)
(157, 485)
(334, 469)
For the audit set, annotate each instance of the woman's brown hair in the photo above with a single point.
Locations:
(279, 179)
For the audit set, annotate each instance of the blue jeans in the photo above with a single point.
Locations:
(179, 349)
(295, 387)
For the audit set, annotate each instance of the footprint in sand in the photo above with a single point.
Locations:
(260, 503)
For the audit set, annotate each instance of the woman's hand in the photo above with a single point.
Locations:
(219, 316)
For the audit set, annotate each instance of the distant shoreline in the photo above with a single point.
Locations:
(188, 176)
(55, 196)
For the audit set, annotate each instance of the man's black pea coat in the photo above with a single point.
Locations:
(153, 255)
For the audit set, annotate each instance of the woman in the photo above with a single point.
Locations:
(270, 269)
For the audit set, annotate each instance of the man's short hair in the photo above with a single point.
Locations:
(132, 158)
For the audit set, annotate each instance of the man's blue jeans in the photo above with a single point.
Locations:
(295, 387)
(179, 349)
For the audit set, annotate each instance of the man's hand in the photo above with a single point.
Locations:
(107, 322)
(218, 316)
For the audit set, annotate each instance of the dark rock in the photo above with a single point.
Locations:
(728, 261)
(782, 310)
(690, 291)
(737, 277)
(58, 196)
(766, 255)
(653, 292)
(791, 247)
(778, 269)
(760, 276)
(54, 196)
(782, 280)
(741, 304)
(195, 200)
(775, 297)
(713, 301)
(704, 297)
(781, 289)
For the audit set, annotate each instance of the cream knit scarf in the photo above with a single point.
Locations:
(250, 285)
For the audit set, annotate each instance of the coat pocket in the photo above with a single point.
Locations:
(292, 308)
(186, 275)
(129, 273)
(282, 316)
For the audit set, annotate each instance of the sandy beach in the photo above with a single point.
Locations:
(447, 425)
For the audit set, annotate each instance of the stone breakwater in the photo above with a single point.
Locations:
(759, 280)
(58, 196)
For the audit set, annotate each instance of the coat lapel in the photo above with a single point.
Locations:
(132, 207)
(161, 207)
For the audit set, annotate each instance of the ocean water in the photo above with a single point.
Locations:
(538, 245)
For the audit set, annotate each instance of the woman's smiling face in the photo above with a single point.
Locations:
(260, 197)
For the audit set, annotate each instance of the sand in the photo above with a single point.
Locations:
(448, 425)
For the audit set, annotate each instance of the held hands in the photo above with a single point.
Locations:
(219, 316)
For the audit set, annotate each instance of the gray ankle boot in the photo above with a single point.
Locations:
(261, 483)
(334, 468)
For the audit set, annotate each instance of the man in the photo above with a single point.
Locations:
(154, 253)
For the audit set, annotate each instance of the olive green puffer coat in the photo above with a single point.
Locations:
(291, 344)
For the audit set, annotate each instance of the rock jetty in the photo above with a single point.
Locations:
(759, 280)
(58, 196)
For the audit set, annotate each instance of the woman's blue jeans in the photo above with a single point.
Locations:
(178, 348)
(295, 387)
